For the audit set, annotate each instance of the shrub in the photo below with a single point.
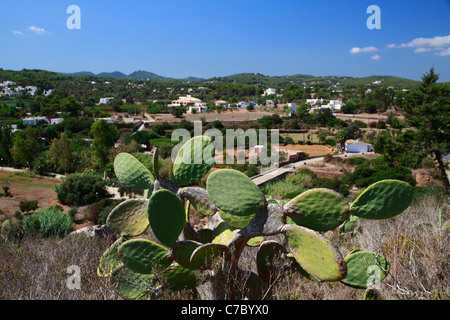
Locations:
(53, 222)
(81, 189)
(28, 206)
(31, 225)
(356, 161)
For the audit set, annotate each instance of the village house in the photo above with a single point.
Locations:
(270, 91)
(358, 147)
(106, 101)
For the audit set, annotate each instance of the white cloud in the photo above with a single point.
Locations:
(443, 52)
(375, 57)
(437, 41)
(421, 50)
(18, 33)
(355, 50)
(37, 30)
(440, 45)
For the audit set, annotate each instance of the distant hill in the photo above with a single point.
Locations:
(42, 77)
(302, 79)
(137, 75)
(149, 76)
(114, 75)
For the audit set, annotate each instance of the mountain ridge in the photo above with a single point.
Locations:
(258, 78)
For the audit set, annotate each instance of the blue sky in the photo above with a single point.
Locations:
(207, 38)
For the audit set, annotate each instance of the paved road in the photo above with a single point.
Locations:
(277, 173)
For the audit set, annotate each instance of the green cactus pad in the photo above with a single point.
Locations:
(365, 268)
(108, 261)
(235, 194)
(315, 254)
(179, 277)
(239, 222)
(296, 266)
(205, 235)
(318, 209)
(141, 255)
(255, 242)
(167, 217)
(132, 173)
(189, 167)
(129, 218)
(383, 200)
(266, 258)
(182, 252)
(255, 287)
(203, 256)
(223, 233)
(372, 294)
(131, 285)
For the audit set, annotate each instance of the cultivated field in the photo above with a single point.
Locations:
(26, 186)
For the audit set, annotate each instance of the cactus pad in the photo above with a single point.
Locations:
(182, 252)
(235, 220)
(223, 233)
(205, 235)
(235, 194)
(203, 256)
(315, 254)
(383, 200)
(190, 165)
(365, 268)
(167, 217)
(131, 285)
(141, 255)
(132, 173)
(372, 294)
(266, 257)
(129, 218)
(318, 209)
(179, 277)
(109, 262)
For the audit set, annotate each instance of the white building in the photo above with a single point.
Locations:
(34, 121)
(243, 105)
(270, 91)
(185, 101)
(108, 120)
(314, 102)
(292, 108)
(335, 105)
(106, 100)
(56, 120)
(47, 92)
(358, 147)
(199, 108)
(221, 103)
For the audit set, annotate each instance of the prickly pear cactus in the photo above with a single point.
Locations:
(182, 256)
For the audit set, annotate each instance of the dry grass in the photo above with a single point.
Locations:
(414, 243)
(37, 269)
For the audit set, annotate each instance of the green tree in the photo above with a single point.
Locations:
(26, 147)
(427, 109)
(6, 143)
(104, 136)
(61, 154)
